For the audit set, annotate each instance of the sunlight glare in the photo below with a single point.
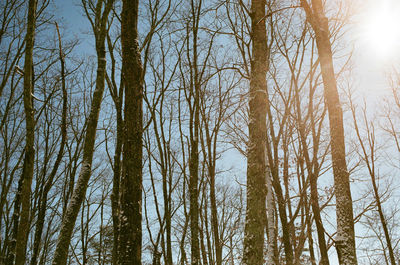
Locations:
(380, 29)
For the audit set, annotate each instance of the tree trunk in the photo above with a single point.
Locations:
(49, 182)
(256, 167)
(130, 242)
(68, 223)
(22, 219)
(195, 85)
(272, 252)
(117, 93)
(287, 242)
(115, 196)
(345, 239)
(214, 215)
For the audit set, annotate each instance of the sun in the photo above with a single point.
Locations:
(380, 28)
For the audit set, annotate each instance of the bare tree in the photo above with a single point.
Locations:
(130, 241)
(117, 93)
(345, 238)
(22, 217)
(99, 26)
(368, 155)
(256, 167)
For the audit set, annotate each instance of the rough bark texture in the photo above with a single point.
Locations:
(115, 197)
(194, 178)
(68, 223)
(117, 94)
(345, 239)
(214, 210)
(256, 167)
(130, 242)
(195, 85)
(272, 253)
(23, 218)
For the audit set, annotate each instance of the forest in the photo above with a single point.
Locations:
(199, 132)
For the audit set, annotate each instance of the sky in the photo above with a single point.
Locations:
(75, 23)
(376, 38)
(374, 35)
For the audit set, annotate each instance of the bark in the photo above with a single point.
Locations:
(310, 238)
(287, 243)
(78, 195)
(23, 198)
(130, 242)
(49, 182)
(194, 139)
(117, 95)
(115, 196)
(272, 252)
(193, 180)
(214, 214)
(15, 220)
(168, 217)
(345, 240)
(256, 167)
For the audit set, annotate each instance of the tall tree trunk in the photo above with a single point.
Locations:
(49, 182)
(115, 196)
(214, 214)
(345, 239)
(68, 223)
(195, 86)
(22, 219)
(167, 211)
(117, 94)
(256, 167)
(194, 179)
(130, 242)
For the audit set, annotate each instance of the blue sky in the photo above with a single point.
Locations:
(74, 24)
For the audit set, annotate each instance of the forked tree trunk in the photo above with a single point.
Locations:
(256, 167)
(68, 222)
(130, 241)
(313, 173)
(345, 239)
